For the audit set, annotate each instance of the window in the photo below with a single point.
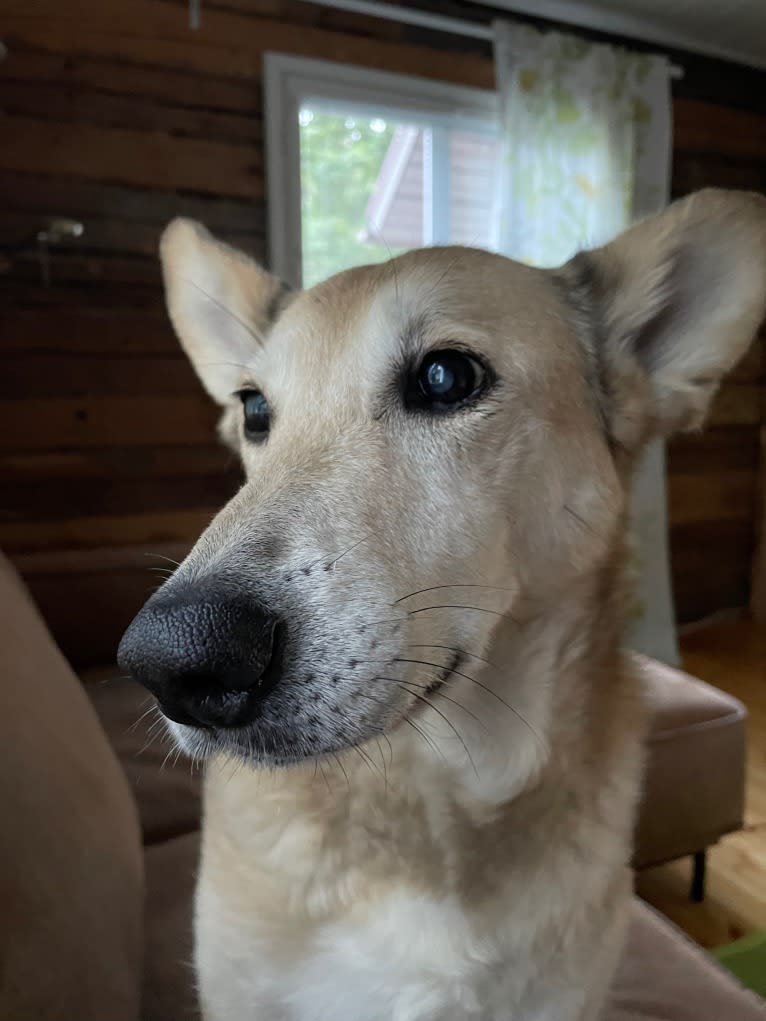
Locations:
(363, 165)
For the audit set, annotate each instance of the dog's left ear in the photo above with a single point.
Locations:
(671, 305)
(221, 303)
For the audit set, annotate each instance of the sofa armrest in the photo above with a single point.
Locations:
(71, 864)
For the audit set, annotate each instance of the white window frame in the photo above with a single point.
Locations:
(291, 81)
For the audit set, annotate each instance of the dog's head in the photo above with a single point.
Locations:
(434, 448)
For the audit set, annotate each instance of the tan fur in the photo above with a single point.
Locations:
(466, 857)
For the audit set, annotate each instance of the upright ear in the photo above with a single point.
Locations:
(220, 301)
(670, 306)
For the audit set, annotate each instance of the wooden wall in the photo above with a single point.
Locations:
(114, 112)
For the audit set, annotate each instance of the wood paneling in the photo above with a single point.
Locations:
(34, 424)
(114, 112)
(75, 326)
(228, 45)
(142, 158)
(47, 195)
(154, 529)
(51, 102)
(40, 374)
(165, 87)
(115, 462)
(708, 128)
(88, 596)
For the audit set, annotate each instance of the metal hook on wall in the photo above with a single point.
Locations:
(58, 230)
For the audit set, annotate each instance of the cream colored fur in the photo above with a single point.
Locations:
(463, 855)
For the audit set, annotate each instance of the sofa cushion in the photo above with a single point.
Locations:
(665, 977)
(695, 772)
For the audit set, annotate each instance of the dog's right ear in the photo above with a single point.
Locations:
(221, 303)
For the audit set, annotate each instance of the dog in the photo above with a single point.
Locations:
(399, 647)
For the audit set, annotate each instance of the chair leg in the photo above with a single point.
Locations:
(697, 890)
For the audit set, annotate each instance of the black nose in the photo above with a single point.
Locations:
(209, 658)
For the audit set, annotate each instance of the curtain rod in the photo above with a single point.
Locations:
(425, 19)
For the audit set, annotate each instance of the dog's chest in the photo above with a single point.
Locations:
(309, 910)
(302, 916)
(402, 957)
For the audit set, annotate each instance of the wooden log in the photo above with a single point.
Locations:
(117, 530)
(123, 156)
(52, 194)
(65, 375)
(36, 424)
(187, 89)
(39, 501)
(66, 104)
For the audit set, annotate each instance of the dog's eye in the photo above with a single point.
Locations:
(443, 380)
(256, 414)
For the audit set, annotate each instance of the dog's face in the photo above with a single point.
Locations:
(434, 448)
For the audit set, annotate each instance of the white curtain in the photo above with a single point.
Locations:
(586, 149)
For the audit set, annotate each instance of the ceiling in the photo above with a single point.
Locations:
(728, 29)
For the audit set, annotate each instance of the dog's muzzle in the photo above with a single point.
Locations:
(208, 657)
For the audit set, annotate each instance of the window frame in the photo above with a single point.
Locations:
(289, 81)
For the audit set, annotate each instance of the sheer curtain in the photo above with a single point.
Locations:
(586, 149)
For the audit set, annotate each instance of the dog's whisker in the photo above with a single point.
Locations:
(434, 588)
(115, 677)
(161, 556)
(325, 556)
(455, 649)
(461, 606)
(488, 690)
(447, 720)
(387, 739)
(366, 758)
(425, 737)
(160, 720)
(156, 728)
(383, 762)
(342, 768)
(324, 777)
(347, 550)
(386, 620)
(440, 694)
(151, 740)
(147, 712)
(436, 666)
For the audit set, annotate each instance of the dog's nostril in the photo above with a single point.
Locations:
(199, 651)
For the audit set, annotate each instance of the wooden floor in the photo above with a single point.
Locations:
(732, 656)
